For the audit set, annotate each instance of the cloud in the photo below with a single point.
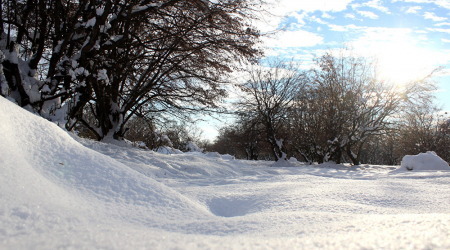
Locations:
(413, 10)
(440, 3)
(368, 14)
(326, 15)
(439, 30)
(442, 24)
(317, 20)
(445, 40)
(376, 5)
(443, 3)
(349, 27)
(348, 15)
(355, 5)
(372, 4)
(415, 1)
(282, 7)
(432, 16)
(401, 57)
(290, 39)
(335, 27)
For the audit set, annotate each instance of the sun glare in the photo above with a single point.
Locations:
(402, 62)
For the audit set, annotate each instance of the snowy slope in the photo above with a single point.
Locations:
(59, 192)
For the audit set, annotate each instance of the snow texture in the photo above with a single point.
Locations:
(58, 191)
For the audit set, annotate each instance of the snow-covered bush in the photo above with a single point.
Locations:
(192, 147)
(423, 161)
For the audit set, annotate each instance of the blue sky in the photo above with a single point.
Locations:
(409, 37)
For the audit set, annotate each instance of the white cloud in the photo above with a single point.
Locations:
(348, 15)
(439, 30)
(335, 27)
(445, 40)
(423, 38)
(432, 16)
(376, 5)
(326, 15)
(289, 6)
(417, 1)
(443, 3)
(368, 14)
(400, 54)
(355, 5)
(290, 39)
(442, 24)
(372, 4)
(317, 20)
(413, 10)
(440, 3)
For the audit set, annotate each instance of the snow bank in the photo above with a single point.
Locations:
(213, 155)
(164, 164)
(227, 157)
(423, 162)
(43, 169)
(192, 147)
(168, 150)
(59, 192)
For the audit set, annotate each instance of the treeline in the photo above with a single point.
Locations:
(340, 111)
(138, 69)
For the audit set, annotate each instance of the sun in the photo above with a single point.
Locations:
(402, 61)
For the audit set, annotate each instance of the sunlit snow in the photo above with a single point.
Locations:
(58, 191)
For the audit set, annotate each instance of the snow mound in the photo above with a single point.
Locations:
(163, 165)
(42, 166)
(192, 147)
(283, 163)
(423, 162)
(227, 157)
(213, 155)
(168, 150)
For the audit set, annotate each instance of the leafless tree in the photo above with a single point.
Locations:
(269, 95)
(122, 58)
(346, 104)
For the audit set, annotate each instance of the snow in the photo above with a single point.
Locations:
(192, 147)
(91, 22)
(13, 57)
(144, 7)
(423, 162)
(58, 191)
(99, 11)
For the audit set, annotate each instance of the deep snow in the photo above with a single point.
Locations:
(58, 191)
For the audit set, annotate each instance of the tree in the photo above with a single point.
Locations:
(268, 96)
(423, 128)
(122, 58)
(242, 139)
(346, 104)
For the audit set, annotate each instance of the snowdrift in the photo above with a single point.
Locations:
(42, 166)
(62, 192)
(423, 162)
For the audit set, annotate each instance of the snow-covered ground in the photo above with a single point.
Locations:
(58, 191)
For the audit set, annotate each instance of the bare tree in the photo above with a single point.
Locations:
(269, 95)
(121, 58)
(347, 104)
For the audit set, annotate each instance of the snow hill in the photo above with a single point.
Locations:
(58, 191)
